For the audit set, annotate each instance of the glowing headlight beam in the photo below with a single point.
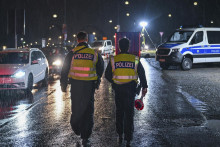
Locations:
(19, 74)
(57, 62)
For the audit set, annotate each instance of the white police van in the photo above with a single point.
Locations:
(190, 45)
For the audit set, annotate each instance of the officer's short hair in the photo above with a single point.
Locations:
(124, 44)
(82, 35)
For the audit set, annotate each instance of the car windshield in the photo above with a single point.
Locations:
(14, 58)
(97, 44)
(180, 36)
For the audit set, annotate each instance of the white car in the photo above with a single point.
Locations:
(22, 68)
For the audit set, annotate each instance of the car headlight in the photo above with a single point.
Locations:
(175, 50)
(57, 63)
(18, 74)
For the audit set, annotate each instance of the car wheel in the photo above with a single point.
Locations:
(30, 82)
(186, 64)
(45, 80)
(164, 66)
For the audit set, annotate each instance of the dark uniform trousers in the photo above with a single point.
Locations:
(124, 100)
(82, 98)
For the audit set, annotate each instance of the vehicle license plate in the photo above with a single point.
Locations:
(5, 80)
(162, 60)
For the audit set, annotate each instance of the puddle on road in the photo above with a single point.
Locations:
(197, 104)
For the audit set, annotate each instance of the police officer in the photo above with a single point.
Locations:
(123, 71)
(83, 67)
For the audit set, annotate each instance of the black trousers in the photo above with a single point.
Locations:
(124, 100)
(82, 99)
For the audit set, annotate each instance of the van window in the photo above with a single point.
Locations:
(180, 36)
(109, 43)
(213, 37)
(97, 44)
(197, 38)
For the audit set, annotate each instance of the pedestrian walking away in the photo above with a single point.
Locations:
(123, 71)
(82, 68)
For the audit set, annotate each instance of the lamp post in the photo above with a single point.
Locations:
(143, 24)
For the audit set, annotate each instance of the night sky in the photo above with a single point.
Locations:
(94, 15)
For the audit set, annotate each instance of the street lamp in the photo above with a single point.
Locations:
(127, 14)
(94, 33)
(110, 21)
(195, 3)
(143, 24)
(169, 15)
(126, 2)
(55, 15)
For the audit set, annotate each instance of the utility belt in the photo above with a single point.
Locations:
(129, 84)
(96, 82)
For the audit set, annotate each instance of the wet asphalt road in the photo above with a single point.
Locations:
(175, 113)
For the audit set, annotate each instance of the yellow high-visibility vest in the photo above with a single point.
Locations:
(83, 64)
(124, 68)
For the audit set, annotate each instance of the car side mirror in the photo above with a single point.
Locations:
(34, 62)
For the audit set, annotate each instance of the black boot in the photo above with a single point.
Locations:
(86, 142)
(128, 144)
(120, 139)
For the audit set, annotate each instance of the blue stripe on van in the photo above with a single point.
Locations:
(213, 49)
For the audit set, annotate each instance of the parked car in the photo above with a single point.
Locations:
(21, 68)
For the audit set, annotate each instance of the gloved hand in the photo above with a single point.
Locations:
(144, 91)
(97, 83)
(63, 88)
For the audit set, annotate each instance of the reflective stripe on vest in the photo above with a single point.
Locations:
(136, 63)
(113, 64)
(83, 75)
(83, 68)
(125, 77)
(95, 57)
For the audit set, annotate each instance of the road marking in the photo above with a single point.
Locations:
(200, 106)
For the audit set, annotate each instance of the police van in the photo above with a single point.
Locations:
(190, 45)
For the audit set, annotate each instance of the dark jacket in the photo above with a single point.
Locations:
(140, 71)
(67, 64)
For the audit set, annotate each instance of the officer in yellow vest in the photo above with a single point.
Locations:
(123, 71)
(83, 67)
